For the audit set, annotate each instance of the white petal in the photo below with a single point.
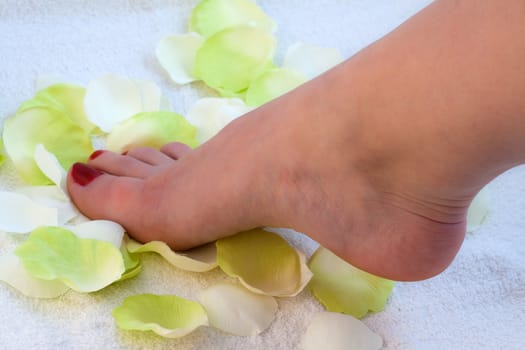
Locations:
(334, 331)
(176, 54)
(311, 60)
(19, 214)
(211, 114)
(102, 230)
(49, 165)
(151, 95)
(111, 99)
(233, 309)
(52, 197)
(12, 272)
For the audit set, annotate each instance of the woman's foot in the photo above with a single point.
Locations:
(377, 159)
(287, 164)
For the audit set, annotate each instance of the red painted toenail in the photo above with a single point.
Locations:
(83, 174)
(96, 154)
(124, 153)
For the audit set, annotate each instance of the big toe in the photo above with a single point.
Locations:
(100, 195)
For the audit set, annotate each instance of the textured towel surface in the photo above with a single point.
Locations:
(478, 303)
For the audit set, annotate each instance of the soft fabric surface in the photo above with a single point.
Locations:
(478, 303)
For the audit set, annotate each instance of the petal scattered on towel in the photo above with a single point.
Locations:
(478, 210)
(340, 287)
(233, 309)
(272, 84)
(200, 259)
(12, 272)
(231, 59)
(211, 114)
(167, 315)
(20, 214)
(262, 261)
(151, 129)
(52, 128)
(176, 54)
(333, 331)
(212, 16)
(111, 99)
(85, 265)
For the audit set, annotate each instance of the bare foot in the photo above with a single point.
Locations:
(373, 160)
(284, 166)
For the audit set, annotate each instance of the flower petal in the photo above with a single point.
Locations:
(333, 331)
(166, 315)
(478, 210)
(66, 98)
(52, 197)
(212, 16)
(340, 287)
(50, 167)
(231, 59)
(85, 265)
(176, 54)
(272, 84)
(211, 114)
(13, 273)
(151, 129)
(233, 309)
(262, 261)
(200, 259)
(101, 230)
(20, 214)
(311, 60)
(50, 127)
(111, 99)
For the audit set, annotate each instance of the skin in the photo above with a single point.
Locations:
(377, 159)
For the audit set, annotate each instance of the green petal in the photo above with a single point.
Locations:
(151, 129)
(333, 331)
(211, 114)
(13, 273)
(66, 98)
(234, 309)
(272, 84)
(132, 264)
(2, 154)
(200, 259)
(340, 287)
(212, 16)
(231, 59)
(52, 128)
(166, 315)
(176, 54)
(85, 265)
(478, 210)
(262, 261)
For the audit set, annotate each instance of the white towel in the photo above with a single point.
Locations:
(478, 303)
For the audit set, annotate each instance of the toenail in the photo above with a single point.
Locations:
(83, 174)
(96, 154)
(124, 153)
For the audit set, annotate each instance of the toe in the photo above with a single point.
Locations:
(120, 165)
(99, 195)
(175, 150)
(149, 155)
